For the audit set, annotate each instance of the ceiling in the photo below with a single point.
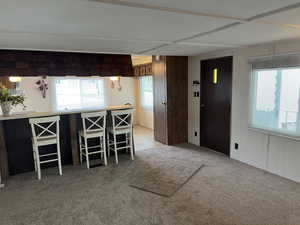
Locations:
(166, 27)
(141, 59)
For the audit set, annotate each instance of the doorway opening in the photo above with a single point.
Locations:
(215, 104)
(144, 125)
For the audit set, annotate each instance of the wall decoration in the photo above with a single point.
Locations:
(115, 82)
(42, 86)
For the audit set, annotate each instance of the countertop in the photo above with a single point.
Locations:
(23, 115)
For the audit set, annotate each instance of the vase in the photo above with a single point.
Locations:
(6, 107)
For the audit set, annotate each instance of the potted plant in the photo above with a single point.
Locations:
(8, 101)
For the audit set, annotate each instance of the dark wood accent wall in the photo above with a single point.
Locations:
(37, 63)
(143, 70)
(171, 98)
(177, 98)
(3, 153)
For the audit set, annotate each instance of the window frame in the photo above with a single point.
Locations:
(252, 100)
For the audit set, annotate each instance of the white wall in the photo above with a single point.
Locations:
(126, 95)
(33, 97)
(272, 153)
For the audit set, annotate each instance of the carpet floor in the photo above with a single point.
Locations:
(223, 192)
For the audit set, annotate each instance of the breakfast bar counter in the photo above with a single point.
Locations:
(15, 138)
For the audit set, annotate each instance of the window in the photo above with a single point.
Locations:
(84, 93)
(146, 83)
(275, 100)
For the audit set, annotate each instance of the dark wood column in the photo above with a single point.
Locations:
(74, 139)
(3, 153)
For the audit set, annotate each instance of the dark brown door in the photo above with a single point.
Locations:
(215, 105)
(159, 101)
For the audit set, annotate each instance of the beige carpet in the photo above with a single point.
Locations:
(224, 192)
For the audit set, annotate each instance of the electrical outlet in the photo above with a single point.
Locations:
(236, 146)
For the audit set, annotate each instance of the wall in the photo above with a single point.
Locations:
(275, 154)
(35, 102)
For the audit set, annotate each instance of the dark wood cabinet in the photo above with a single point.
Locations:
(136, 71)
(149, 69)
(170, 99)
(143, 70)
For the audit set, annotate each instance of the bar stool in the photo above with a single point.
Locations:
(45, 131)
(122, 121)
(93, 127)
(1, 185)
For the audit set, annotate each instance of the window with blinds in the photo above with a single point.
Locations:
(146, 87)
(275, 96)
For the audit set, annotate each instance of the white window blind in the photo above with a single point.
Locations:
(146, 86)
(275, 104)
(78, 93)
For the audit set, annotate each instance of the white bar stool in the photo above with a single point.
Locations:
(122, 121)
(1, 185)
(45, 131)
(93, 127)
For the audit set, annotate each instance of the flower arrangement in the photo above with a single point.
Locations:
(42, 86)
(8, 101)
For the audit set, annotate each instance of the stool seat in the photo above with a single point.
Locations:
(91, 134)
(124, 130)
(46, 140)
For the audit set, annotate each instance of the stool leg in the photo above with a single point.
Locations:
(130, 144)
(127, 141)
(38, 162)
(86, 153)
(115, 149)
(34, 157)
(109, 145)
(104, 149)
(59, 158)
(80, 149)
(101, 147)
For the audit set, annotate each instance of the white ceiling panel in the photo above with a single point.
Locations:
(184, 50)
(236, 8)
(54, 43)
(81, 17)
(248, 34)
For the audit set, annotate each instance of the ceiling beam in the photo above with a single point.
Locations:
(79, 36)
(167, 9)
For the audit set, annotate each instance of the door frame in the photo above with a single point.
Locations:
(230, 119)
